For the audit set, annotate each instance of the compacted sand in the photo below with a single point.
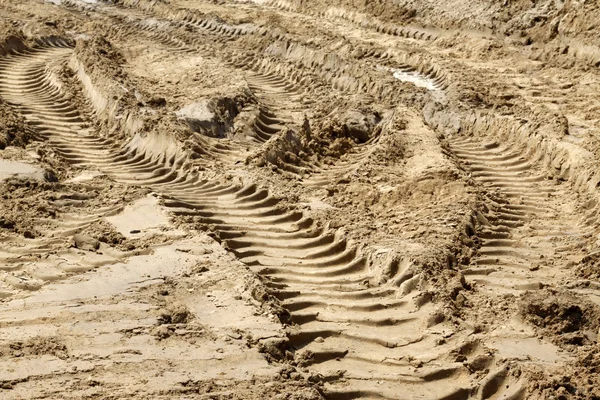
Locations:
(299, 199)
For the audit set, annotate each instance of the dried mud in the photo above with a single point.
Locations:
(299, 200)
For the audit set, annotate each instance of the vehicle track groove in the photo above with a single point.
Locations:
(296, 254)
(526, 224)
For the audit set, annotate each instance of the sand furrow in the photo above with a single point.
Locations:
(527, 226)
(283, 245)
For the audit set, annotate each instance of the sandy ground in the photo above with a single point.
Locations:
(299, 200)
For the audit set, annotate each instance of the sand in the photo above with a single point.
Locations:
(296, 200)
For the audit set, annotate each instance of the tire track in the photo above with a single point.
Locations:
(351, 325)
(279, 103)
(284, 56)
(358, 19)
(267, 123)
(335, 13)
(30, 262)
(347, 317)
(285, 106)
(282, 104)
(530, 229)
(282, 89)
(291, 109)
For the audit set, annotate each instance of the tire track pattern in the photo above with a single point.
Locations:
(359, 19)
(282, 103)
(267, 123)
(278, 84)
(27, 263)
(356, 328)
(284, 106)
(529, 230)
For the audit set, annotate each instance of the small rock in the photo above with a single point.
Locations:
(84, 242)
(175, 314)
(296, 376)
(92, 382)
(201, 269)
(49, 176)
(234, 335)
(273, 347)
(6, 224)
(436, 318)
(162, 332)
(179, 314)
(157, 102)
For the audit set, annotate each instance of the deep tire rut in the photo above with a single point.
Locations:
(346, 319)
(530, 228)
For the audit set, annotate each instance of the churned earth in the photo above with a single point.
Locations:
(299, 200)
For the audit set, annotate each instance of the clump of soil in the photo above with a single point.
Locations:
(572, 323)
(334, 136)
(13, 129)
(589, 267)
(325, 138)
(100, 48)
(579, 380)
(35, 346)
(568, 320)
(28, 207)
(24, 201)
(104, 232)
(214, 117)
